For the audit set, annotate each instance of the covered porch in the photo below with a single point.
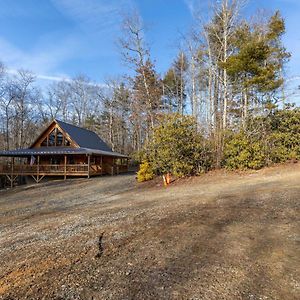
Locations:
(79, 162)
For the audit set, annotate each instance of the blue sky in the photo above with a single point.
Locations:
(63, 38)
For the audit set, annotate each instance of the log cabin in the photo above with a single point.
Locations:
(63, 150)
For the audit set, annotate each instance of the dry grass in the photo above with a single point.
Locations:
(219, 236)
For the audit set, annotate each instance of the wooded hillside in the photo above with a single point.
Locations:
(224, 90)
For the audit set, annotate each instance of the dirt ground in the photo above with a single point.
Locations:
(219, 236)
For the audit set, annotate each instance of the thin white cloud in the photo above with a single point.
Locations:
(53, 78)
(56, 78)
(191, 6)
(295, 78)
(42, 59)
(196, 6)
(94, 21)
(94, 15)
(42, 76)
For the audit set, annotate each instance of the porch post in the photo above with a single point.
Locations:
(38, 168)
(89, 163)
(12, 172)
(65, 168)
(101, 165)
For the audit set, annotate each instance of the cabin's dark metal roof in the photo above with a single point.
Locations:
(84, 137)
(88, 141)
(58, 151)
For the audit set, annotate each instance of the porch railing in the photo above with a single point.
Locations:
(74, 169)
(44, 169)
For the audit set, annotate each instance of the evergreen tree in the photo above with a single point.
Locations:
(257, 64)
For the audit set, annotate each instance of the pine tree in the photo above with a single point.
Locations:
(256, 66)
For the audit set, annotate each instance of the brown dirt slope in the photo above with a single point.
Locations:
(219, 236)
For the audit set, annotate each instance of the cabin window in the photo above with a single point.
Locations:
(71, 160)
(55, 138)
(55, 161)
(51, 141)
(121, 161)
(67, 143)
(59, 139)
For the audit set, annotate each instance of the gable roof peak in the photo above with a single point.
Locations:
(85, 138)
(63, 122)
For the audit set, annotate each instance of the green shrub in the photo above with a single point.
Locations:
(271, 139)
(177, 147)
(285, 134)
(145, 172)
(240, 152)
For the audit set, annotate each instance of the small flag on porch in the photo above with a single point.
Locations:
(32, 160)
